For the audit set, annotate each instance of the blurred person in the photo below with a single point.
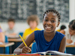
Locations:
(11, 31)
(2, 37)
(62, 29)
(71, 32)
(32, 21)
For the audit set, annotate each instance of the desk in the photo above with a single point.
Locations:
(6, 45)
(70, 49)
(70, 45)
(15, 40)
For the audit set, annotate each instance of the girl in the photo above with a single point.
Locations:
(47, 39)
(71, 35)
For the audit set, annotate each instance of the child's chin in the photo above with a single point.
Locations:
(49, 31)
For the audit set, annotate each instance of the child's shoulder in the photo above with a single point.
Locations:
(38, 31)
(38, 28)
(27, 29)
(59, 34)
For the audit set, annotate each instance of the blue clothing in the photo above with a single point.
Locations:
(42, 45)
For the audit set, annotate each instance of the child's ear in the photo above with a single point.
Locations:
(58, 24)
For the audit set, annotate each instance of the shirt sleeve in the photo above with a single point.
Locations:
(0, 30)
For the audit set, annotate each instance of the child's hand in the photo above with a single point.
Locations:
(26, 49)
(69, 41)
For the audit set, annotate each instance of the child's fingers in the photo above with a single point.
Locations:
(26, 50)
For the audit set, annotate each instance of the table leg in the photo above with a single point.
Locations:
(10, 50)
(4, 50)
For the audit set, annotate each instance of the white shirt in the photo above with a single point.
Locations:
(69, 37)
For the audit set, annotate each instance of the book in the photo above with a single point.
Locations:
(52, 53)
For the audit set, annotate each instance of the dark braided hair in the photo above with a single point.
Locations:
(54, 11)
(72, 25)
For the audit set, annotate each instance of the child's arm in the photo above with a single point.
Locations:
(22, 48)
(12, 34)
(2, 38)
(62, 45)
(62, 31)
(69, 41)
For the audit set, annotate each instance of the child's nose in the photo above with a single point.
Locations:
(49, 22)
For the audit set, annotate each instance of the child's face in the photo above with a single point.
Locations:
(72, 32)
(11, 25)
(50, 22)
(32, 24)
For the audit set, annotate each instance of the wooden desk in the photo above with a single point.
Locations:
(14, 40)
(70, 45)
(17, 40)
(6, 45)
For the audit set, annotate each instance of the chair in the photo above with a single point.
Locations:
(34, 48)
(21, 33)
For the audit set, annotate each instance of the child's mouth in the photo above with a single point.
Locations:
(48, 28)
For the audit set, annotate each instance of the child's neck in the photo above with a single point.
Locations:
(33, 28)
(52, 34)
(10, 28)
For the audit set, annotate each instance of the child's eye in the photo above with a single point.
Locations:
(52, 21)
(46, 20)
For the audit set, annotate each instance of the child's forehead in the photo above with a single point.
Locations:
(11, 22)
(49, 14)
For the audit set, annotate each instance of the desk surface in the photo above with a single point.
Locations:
(70, 45)
(6, 44)
(14, 40)
(17, 40)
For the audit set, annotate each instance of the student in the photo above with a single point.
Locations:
(2, 38)
(70, 35)
(32, 21)
(11, 31)
(47, 39)
(62, 29)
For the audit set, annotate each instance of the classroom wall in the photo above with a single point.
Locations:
(21, 26)
(72, 10)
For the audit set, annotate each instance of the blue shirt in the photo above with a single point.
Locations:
(42, 45)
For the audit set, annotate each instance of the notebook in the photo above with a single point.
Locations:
(52, 53)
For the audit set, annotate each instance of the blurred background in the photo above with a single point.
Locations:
(21, 9)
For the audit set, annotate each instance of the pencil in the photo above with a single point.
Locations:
(23, 41)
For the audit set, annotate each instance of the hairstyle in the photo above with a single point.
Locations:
(62, 27)
(33, 18)
(11, 20)
(72, 25)
(54, 11)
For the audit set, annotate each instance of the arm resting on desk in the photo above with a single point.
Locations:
(25, 49)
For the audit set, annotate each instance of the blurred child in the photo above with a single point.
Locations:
(2, 37)
(32, 21)
(11, 31)
(47, 39)
(62, 29)
(71, 32)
